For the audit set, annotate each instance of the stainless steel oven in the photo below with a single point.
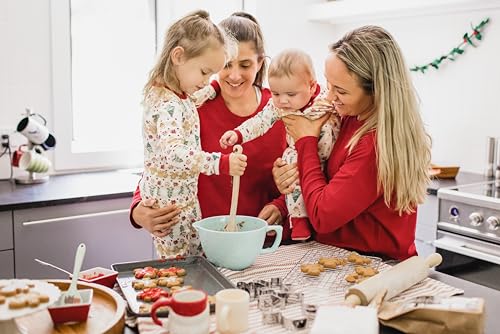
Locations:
(468, 232)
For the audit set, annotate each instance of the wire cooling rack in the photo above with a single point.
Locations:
(331, 279)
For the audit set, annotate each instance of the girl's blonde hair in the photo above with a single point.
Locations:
(403, 146)
(291, 62)
(245, 28)
(195, 33)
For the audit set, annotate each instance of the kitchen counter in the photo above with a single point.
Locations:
(82, 187)
(462, 178)
(66, 189)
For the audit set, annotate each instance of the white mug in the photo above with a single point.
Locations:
(231, 310)
(35, 132)
(189, 312)
(32, 161)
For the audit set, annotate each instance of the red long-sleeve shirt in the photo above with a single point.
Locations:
(344, 206)
(257, 187)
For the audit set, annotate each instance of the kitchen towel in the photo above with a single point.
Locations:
(285, 263)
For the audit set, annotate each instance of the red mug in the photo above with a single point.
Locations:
(17, 154)
(189, 311)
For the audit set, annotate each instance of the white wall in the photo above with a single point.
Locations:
(459, 101)
(24, 65)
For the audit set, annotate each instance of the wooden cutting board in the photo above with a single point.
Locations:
(106, 315)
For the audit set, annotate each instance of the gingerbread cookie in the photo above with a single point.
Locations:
(8, 291)
(366, 271)
(172, 271)
(171, 282)
(146, 272)
(178, 288)
(360, 274)
(152, 294)
(145, 284)
(358, 259)
(331, 262)
(18, 302)
(312, 269)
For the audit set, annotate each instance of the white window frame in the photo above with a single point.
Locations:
(64, 158)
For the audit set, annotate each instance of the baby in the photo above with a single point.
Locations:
(294, 92)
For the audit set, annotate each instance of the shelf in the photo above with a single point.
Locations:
(345, 11)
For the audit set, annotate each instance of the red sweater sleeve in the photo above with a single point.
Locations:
(351, 189)
(135, 201)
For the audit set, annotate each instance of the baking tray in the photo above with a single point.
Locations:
(201, 274)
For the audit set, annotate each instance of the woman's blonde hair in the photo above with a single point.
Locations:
(403, 146)
(195, 33)
(291, 62)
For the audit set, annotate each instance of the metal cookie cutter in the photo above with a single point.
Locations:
(295, 325)
(277, 318)
(271, 303)
(309, 310)
(291, 297)
(260, 287)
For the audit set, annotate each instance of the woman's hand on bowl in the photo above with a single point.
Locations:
(271, 214)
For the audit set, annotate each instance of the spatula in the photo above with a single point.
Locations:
(53, 266)
(231, 225)
(72, 296)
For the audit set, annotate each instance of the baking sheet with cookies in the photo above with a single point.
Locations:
(200, 274)
(340, 269)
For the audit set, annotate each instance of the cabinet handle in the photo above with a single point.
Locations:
(62, 219)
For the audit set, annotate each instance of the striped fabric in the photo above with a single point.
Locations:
(328, 288)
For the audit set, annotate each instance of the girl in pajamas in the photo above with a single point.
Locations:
(194, 48)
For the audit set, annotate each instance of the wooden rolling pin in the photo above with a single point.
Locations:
(402, 276)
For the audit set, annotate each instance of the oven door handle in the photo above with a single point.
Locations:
(461, 247)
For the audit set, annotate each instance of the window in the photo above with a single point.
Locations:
(102, 51)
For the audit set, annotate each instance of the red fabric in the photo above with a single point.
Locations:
(135, 201)
(344, 206)
(224, 164)
(257, 187)
(240, 136)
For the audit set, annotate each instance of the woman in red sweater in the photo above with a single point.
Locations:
(239, 97)
(377, 172)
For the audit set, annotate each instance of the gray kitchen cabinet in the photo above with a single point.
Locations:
(427, 217)
(6, 230)
(6, 245)
(53, 233)
(6, 264)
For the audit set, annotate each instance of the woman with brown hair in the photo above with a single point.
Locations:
(240, 96)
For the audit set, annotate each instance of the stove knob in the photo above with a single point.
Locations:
(476, 219)
(493, 223)
(454, 213)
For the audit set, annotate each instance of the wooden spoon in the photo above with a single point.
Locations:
(231, 225)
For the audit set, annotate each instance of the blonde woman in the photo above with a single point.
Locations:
(377, 172)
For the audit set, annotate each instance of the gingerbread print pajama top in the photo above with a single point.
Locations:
(173, 160)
